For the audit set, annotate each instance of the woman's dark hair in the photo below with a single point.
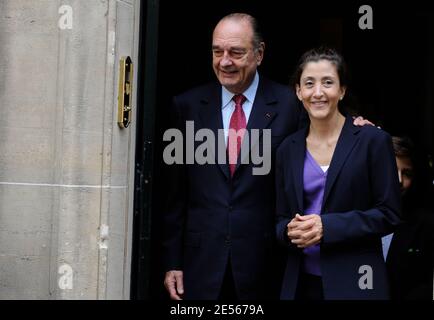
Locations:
(322, 53)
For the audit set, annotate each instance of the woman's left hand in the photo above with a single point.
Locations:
(305, 231)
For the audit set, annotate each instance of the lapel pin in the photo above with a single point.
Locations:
(268, 115)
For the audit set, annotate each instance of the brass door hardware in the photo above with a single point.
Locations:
(125, 92)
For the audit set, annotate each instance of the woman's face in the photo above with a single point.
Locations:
(320, 89)
(405, 173)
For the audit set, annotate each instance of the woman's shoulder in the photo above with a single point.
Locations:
(298, 136)
(373, 133)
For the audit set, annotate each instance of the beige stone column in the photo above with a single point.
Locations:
(66, 168)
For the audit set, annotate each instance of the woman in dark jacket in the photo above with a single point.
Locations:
(337, 193)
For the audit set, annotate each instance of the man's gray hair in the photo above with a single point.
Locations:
(257, 36)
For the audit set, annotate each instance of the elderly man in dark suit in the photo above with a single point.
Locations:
(219, 222)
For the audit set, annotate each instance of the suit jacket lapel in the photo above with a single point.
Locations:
(297, 164)
(345, 144)
(211, 117)
(262, 114)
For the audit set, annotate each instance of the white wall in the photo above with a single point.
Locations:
(66, 168)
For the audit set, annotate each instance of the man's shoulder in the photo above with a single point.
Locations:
(274, 84)
(199, 91)
(213, 87)
(277, 87)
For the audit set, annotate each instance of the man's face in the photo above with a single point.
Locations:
(234, 58)
(405, 173)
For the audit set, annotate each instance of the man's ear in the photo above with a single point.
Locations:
(260, 53)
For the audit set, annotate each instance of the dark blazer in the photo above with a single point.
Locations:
(410, 260)
(211, 218)
(361, 203)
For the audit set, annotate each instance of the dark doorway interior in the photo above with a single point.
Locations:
(391, 67)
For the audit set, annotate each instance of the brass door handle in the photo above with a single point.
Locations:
(125, 92)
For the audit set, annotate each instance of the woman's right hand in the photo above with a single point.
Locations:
(305, 231)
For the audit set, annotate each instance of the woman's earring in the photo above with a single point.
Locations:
(341, 98)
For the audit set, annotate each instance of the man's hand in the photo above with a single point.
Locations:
(173, 281)
(305, 231)
(360, 122)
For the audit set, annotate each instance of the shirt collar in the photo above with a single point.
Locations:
(249, 93)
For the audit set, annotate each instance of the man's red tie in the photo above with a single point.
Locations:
(238, 126)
